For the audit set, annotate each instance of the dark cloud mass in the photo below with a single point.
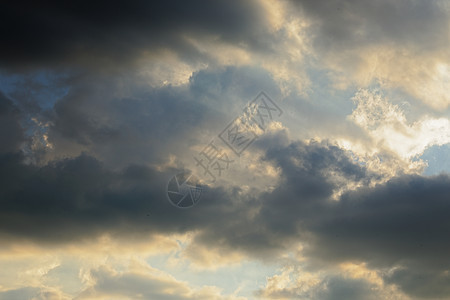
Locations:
(11, 132)
(344, 24)
(101, 33)
(402, 223)
(142, 124)
(101, 102)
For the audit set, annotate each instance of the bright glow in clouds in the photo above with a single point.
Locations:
(105, 269)
(389, 129)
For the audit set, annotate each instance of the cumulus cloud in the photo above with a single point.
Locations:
(101, 104)
(34, 293)
(137, 280)
(146, 283)
(309, 287)
(386, 123)
(106, 35)
(397, 224)
(399, 45)
(11, 132)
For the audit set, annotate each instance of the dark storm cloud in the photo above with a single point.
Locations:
(400, 221)
(125, 128)
(344, 24)
(85, 198)
(423, 283)
(76, 198)
(142, 124)
(11, 132)
(54, 33)
(309, 173)
(403, 223)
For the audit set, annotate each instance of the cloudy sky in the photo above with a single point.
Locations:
(343, 194)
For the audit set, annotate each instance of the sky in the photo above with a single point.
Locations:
(316, 135)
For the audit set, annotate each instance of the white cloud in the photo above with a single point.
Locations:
(388, 127)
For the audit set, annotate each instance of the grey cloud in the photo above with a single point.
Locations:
(344, 24)
(11, 132)
(111, 188)
(335, 287)
(117, 129)
(421, 283)
(80, 198)
(403, 223)
(326, 288)
(305, 186)
(132, 286)
(143, 284)
(34, 293)
(143, 124)
(86, 198)
(402, 220)
(104, 34)
(130, 128)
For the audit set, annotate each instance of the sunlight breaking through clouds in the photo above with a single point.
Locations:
(342, 196)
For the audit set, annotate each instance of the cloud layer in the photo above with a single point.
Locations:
(101, 104)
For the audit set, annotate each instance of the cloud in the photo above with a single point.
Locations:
(141, 282)
(81, 197)
(348, 23)
(11, 132)
(86, 199)
(390, 130)
(104, 35)
(122, 120)
(165, 42)
(33, 293)
(400, 45)
(346, 281)
(400, 223)
(136, 88)
(124, 278)
(332, 287)
(418, 283)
